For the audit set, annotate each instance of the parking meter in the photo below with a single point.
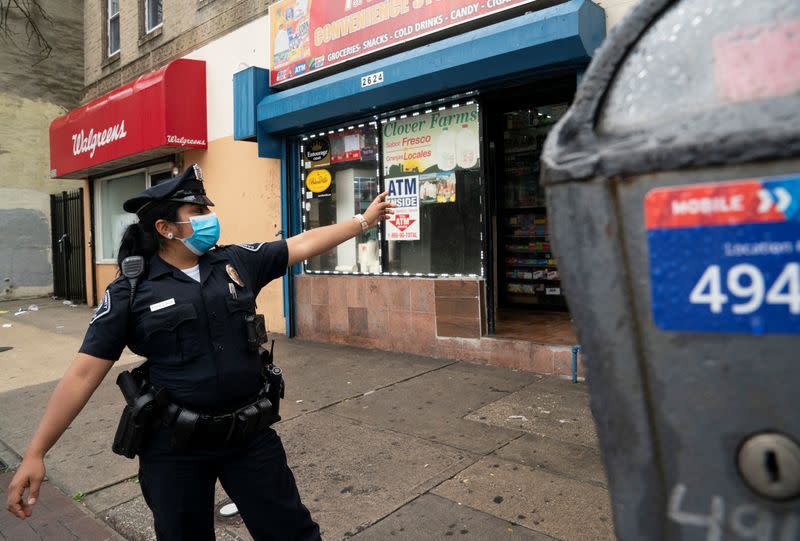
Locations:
(673, 189)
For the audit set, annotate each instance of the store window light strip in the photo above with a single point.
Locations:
(322, 134)
(442, 108)
(383, 121)
(428, 111)
(403, 116)
(301, 147)
(350, 127)
(415, 113)
(340, 130)
(360, 125)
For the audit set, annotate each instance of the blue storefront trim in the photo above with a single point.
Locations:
(250, 86)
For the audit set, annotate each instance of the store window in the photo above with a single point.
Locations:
(153, 15)
(429, 163)
(113, 27)
(431, 169)
(110, 193)
(340, 179)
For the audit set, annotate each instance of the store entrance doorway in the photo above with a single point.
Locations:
(529, 302)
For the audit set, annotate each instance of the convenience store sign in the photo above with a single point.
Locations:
(307, 36)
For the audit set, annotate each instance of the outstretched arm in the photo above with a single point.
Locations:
(322, 239)
(69, 397)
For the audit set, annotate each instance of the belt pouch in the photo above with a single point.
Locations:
(185, 427)
(249, 420)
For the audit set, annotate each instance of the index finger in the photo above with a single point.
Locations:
(382, 196)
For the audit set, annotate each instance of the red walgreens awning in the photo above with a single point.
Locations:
(158, 114)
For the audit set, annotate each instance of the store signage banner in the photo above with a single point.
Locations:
(439, 141)
(404, 223)
(307, 36)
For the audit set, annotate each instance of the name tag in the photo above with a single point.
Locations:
(163, 304)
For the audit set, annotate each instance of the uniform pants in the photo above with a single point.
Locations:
(178, 486)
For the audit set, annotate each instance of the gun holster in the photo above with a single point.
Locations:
(140, 414)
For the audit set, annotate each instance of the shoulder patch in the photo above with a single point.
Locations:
(103, 309)
(253, 247)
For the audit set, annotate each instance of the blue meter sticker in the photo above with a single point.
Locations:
(725, 257)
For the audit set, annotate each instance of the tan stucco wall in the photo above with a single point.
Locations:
(246, 192)
(104, 274)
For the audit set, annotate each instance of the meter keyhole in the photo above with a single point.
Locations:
(771, 463)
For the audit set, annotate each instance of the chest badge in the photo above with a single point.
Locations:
(234, 275)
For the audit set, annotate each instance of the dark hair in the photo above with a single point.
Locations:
(141, 238)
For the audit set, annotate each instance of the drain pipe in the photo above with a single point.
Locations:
(575, 350)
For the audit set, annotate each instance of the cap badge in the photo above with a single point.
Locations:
(198, 173)
(234, 275)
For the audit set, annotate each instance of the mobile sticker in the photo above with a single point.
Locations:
(725, 257)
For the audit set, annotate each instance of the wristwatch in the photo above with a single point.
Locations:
(362, 221)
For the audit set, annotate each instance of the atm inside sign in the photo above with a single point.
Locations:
(725, 257)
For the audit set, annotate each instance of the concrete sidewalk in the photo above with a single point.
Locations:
(383, 445)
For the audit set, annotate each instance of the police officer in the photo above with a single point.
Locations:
(188, 317)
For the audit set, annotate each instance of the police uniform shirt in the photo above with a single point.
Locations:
(193, 333)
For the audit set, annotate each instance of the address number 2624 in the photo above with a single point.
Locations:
(746, 290)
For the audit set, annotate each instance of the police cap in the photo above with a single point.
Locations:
(185, 188)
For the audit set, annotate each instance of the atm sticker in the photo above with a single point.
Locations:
(725, 257)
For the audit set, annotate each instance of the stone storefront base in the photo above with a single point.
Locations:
(441, 318)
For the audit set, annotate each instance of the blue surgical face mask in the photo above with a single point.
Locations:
(205, 233)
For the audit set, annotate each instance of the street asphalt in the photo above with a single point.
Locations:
(383, 446)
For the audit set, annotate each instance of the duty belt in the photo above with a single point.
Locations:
(192, 428)
(147, 409)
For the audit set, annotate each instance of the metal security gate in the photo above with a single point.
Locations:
(69, 271)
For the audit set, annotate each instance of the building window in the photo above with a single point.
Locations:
(153, 15)
(113, 27)
(429, 163)
(110, 192)
(340, 179)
